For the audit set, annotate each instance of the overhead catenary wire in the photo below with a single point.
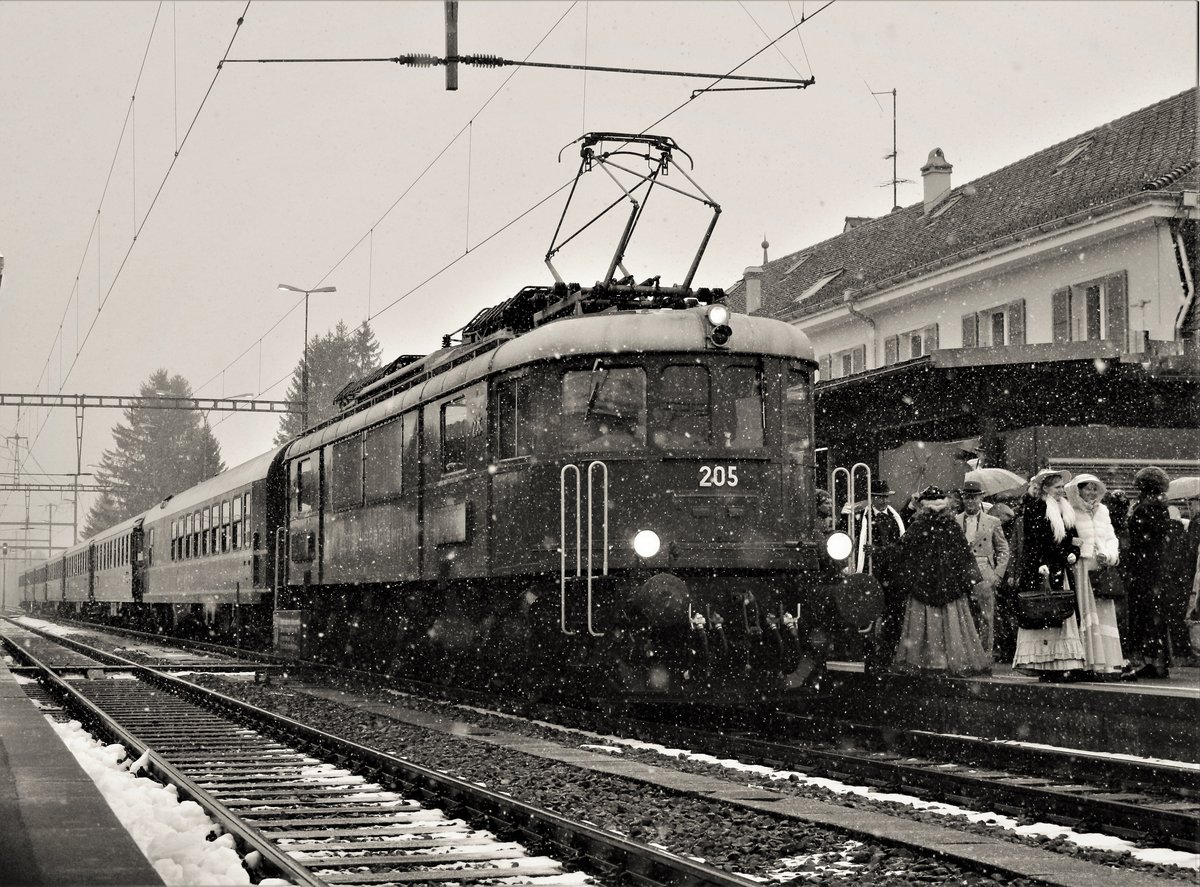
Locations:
(103, 194)
(424, 60)
(146, 217)
(370, 232)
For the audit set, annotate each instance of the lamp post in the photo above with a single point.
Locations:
(304, 365)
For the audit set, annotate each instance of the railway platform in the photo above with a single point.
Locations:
(1155, 718)
(55, 827)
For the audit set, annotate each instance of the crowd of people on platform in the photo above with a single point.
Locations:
(1072, 582)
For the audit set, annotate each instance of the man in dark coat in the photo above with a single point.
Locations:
(1149, 528)
(883, 525)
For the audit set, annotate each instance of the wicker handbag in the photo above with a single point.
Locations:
(1106, 583)
(1046, 607)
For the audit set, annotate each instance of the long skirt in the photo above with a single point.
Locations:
(940, 639)
(1057, 648)
(1097, 624)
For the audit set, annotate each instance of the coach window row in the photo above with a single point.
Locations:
(113, 553)
(77, 564)
(214, 529)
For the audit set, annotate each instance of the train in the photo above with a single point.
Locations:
(605, 490)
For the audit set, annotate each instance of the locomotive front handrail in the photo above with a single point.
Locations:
(604, 570)
(595, 469)
(562, 540)
(868, 528)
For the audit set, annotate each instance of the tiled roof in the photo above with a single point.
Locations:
(1148, 152)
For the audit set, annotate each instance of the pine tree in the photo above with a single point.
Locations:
(157, 453)
(334, 359)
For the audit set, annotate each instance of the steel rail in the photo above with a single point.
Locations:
(605, 853)
(248, 839)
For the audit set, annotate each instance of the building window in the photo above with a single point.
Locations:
(843, 363)
(998, 325)
(910, 345)
(1092, 310)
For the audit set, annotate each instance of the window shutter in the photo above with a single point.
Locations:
(1060, 314)
(970, 331)
(1016, 321)
(1116, 309)
(826, 367)
(929, 336)
(891, 350)
(859, 361)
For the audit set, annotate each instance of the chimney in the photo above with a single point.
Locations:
(936, 173)
(753, 278)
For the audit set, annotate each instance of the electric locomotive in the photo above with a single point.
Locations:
(609, 487)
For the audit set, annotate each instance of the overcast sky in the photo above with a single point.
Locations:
(373, 178)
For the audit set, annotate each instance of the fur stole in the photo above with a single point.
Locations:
(1061, 515)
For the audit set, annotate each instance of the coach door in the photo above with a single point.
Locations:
(582, 543)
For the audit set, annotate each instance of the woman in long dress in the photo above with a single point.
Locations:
(1054, 653)
(935, 571)
(1098, 550)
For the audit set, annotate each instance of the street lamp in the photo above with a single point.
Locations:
(304, 365)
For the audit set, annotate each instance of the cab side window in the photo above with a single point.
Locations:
(346, 474)
(304, 486)
(383, 458)
(462, 431)
(516, 419)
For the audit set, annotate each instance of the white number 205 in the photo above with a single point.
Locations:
(718, 476)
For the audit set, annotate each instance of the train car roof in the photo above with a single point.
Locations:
(227, 481)
(663, 330)
(618, 333)
(119, 529)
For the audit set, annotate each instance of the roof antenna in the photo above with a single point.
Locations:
(895, 180)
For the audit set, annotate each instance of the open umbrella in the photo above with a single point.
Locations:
(1184, 488)
(996, 480)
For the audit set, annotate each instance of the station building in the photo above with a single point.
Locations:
(1045, 313)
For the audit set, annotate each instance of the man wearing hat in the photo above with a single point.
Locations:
(1149, 528)
(989, 545)
(885, 527)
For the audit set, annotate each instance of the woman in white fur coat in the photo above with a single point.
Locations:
(1098, 550)
(1053, 653)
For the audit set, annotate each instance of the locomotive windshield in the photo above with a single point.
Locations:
(672, 407)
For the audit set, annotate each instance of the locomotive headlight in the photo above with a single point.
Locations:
(646, 543)
(718, 322)
(718, 315)
(839, 546)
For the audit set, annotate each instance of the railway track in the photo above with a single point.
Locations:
(1138, 800)
(1157, 804)
(321, 810)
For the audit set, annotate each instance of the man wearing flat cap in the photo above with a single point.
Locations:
(989, 545)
